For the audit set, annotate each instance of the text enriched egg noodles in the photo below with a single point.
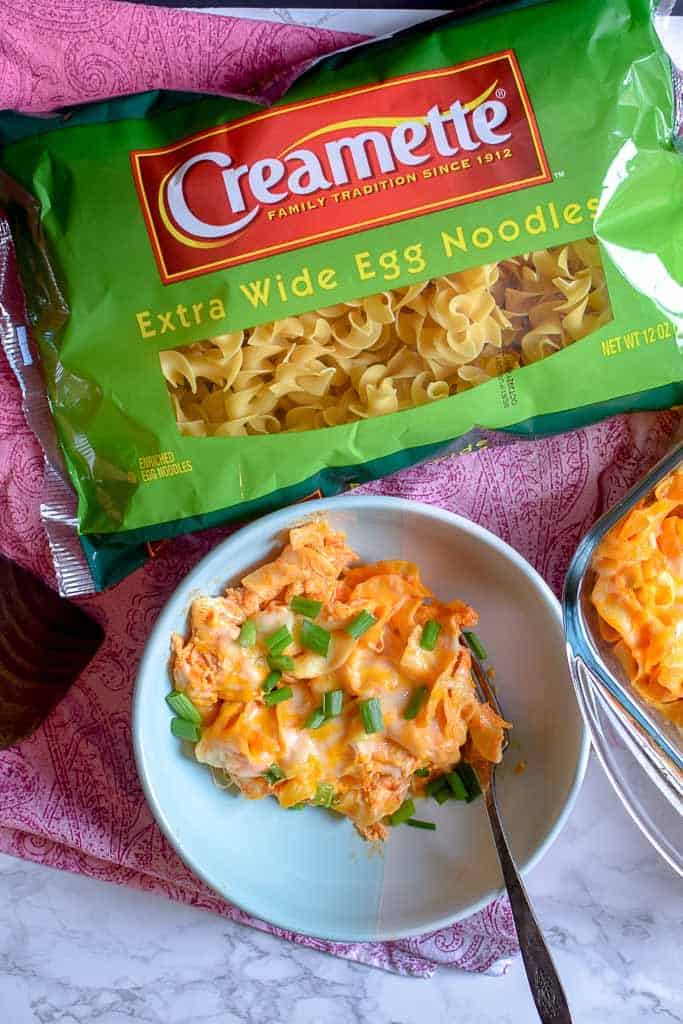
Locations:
(430, 237)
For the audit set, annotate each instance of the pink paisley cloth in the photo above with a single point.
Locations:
(55, 53)
(69, 796)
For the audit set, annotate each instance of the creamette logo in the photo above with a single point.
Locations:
(229, 194)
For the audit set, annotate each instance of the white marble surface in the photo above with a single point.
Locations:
(74, 951)
(343, 20)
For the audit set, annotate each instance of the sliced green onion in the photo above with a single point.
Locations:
(371, 714)
(475, 645)
(281, 662)
(361, 624)
(277, 696)
(304, 606)
(315, 638)
(470, 781)
(271, 681)
(324, 795)
(297, 807)
(443, 794)
(434, 785)
(415, 703)
(430, 634)
(333, 701)
(315, 719)
(274, 774)
(278, 640)
(405, 811)
(183, 707)
(248, 634)
(457, 785)
(422, 773)
(416, 823)
(185, 730)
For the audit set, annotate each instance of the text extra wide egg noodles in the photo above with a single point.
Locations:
(473, 224)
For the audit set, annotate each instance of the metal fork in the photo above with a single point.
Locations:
(546, 987)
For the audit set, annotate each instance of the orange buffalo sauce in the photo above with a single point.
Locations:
(267, 731)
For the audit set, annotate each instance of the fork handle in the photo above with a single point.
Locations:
(543, 979)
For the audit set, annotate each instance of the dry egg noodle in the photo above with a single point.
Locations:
(390, 351)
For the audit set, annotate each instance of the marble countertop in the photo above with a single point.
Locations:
(77, 951)
(377, 22)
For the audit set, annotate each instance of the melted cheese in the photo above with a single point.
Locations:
(371, 774)
(638, 593)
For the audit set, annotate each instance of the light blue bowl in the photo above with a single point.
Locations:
(310, 871)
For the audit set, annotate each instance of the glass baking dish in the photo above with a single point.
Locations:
(640, 750)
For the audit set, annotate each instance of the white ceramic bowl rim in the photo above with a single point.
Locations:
(278, 521)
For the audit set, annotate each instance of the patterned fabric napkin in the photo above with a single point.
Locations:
(69, 796)
(55, 54)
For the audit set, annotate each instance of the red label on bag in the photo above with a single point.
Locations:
(311, 171)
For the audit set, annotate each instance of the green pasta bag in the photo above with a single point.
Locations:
(474, 224)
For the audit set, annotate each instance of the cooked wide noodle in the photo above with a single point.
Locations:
(390, 351)
(638, 594)
(276, 748)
